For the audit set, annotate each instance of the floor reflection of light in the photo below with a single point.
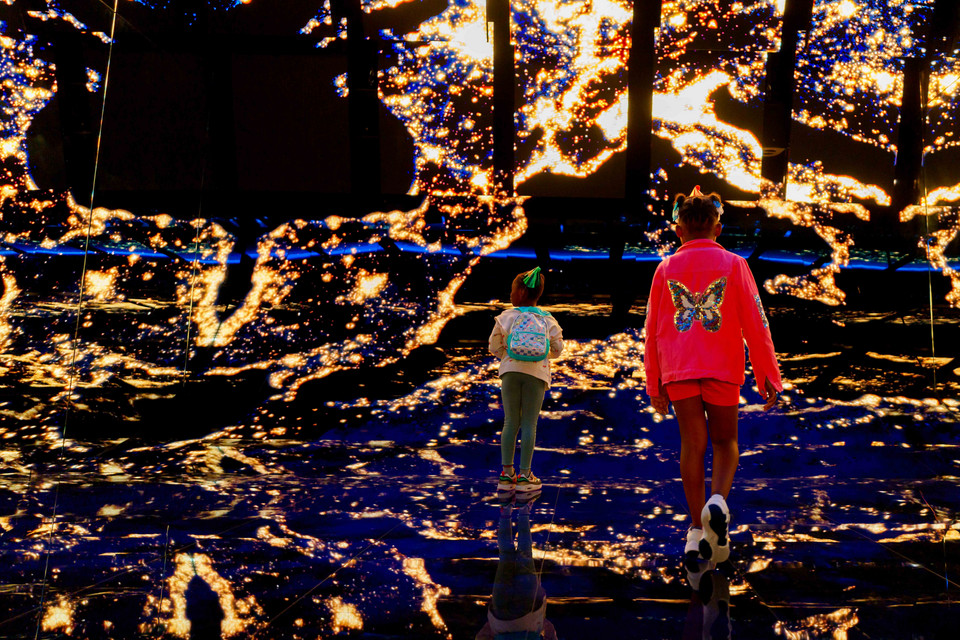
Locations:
(432, 592)
(239, 614)
(835, 624)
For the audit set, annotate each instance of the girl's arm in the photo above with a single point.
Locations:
(651, 361)
(495, 343)
(556, 340)
(485, 633)
(756, 330)
(549, 631)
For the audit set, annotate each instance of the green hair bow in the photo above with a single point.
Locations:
(532, 279)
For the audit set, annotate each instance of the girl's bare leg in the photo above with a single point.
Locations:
(693, 447)
(723, 439)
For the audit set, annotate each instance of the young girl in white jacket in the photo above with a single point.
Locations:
(523, 383)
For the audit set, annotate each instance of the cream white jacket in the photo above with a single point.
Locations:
(498, 346)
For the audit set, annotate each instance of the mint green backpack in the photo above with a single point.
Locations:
(528, 340)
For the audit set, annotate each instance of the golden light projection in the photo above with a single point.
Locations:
(584, 88)
(345, 616)
(819, 284)
(369, 285)
(570, 120)
(59, 616)
(101, 285)
(10, 292)
(239, 614)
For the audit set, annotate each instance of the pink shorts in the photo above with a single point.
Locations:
(713, 391)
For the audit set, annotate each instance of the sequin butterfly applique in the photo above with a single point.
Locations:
(704, 307)
(763, 316)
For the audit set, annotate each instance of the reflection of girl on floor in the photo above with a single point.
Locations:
(518, 606)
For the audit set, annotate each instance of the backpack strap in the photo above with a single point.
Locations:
(536, 310)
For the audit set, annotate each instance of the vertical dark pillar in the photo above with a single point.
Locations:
(906, 181)
(778, 95)
(221, 180)
(363, 106)
(504, 96)
(641, 70)
(909, 174)
(220, 185)
(78, 124)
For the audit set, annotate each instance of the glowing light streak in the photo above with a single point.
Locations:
(53, 13)
(271, 282)
(416, 569)
(10, 293)
(935, 245)
(447, 468)
(370, 6)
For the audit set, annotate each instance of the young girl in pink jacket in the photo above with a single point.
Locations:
(703, 304)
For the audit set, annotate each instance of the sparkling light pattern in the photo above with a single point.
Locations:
(378, 528)
(850, 74)
(571, 63)
(441, 89)
(335, 252)
(571, 71)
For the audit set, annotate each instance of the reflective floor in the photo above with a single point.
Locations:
(376, 515)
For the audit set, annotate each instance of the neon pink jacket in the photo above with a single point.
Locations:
(703, 304)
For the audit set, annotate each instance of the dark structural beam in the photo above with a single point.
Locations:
(641, 71)
(778, 95)
(906, 172)
(78, 124)
(941, 39)
(504, 96)
(363, 106)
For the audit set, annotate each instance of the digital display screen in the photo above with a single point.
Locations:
(250, 253)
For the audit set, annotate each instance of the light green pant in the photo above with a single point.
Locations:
(522, 399)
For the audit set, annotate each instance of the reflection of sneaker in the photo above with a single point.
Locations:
(505, 498)
(715, 544)
(691, 552)
(694, 576)
(526, 499)
(507, 483)
(726, 568)
(715, 595)
(528, 482)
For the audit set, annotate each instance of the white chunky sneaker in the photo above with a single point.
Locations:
(691, 552)
(715, 544)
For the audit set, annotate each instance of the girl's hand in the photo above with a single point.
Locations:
(771, 395)
(660, 404)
